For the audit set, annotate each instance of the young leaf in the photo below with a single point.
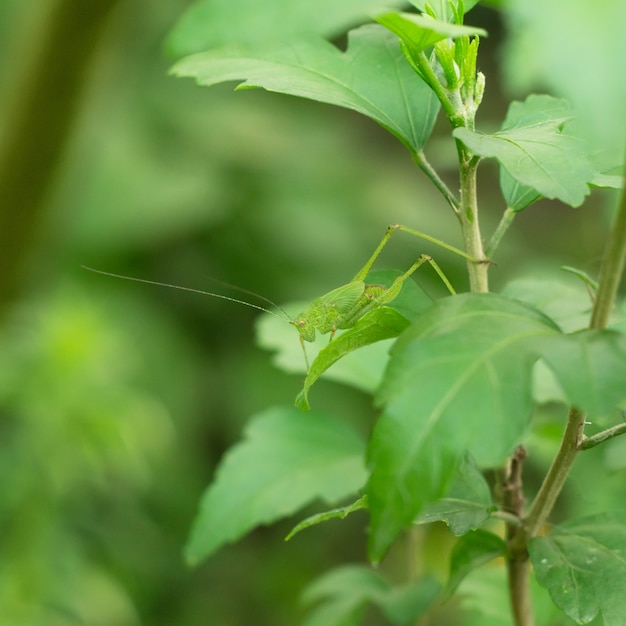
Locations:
(471, 551)
(466, 506)
(535, 148)
(211, 24)
(458, 379)
(377, 325)
(338, 513)
(442, 8)
(344, 593)
(419, 32)
(287, 459)
(582, 563)
(370, 77)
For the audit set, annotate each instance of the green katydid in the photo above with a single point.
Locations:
(342, 307)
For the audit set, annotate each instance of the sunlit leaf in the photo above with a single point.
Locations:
(582, 563)
(287, 459)
(459, 378)
(536, 149)
(419, 32)
(371, 77)
(442, 8)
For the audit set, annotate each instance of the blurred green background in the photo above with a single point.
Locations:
(118, 399)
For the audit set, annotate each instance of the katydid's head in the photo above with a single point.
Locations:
(304, 327)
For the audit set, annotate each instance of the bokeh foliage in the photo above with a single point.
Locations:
(117, 400)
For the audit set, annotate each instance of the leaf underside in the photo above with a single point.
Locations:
(371, 77)
(537, 151)
(287, 460)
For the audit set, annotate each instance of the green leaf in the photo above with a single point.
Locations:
(466, 506)
(377, 325)
(287, 459)
(459, 379)
(370, 77)
(535, 149)
(516, 195)
(573, 51)
(344, 593)
(471, 551)
(442, 8)
(582, 563)
(213, 23)
(565, 301)
(591, 367)
(338, 513)
(419, 32)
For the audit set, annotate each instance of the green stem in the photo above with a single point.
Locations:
(557, 474)
(601, 437)
(612, 268)
(507, 219)
(468, 216)
(423, 163)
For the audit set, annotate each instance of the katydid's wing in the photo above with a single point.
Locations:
(343, 298)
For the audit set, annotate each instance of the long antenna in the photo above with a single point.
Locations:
(204, 293)
(250, 293)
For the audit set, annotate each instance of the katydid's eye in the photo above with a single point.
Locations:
(302, 323)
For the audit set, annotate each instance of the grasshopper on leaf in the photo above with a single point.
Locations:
(342, 307)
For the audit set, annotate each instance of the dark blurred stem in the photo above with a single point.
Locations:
(503, 226)
(44, 106)
(612, 267)
(512, 500)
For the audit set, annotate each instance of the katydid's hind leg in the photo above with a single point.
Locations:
(362, 273)
(394, 290)
(442, 276)
(396, 286)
